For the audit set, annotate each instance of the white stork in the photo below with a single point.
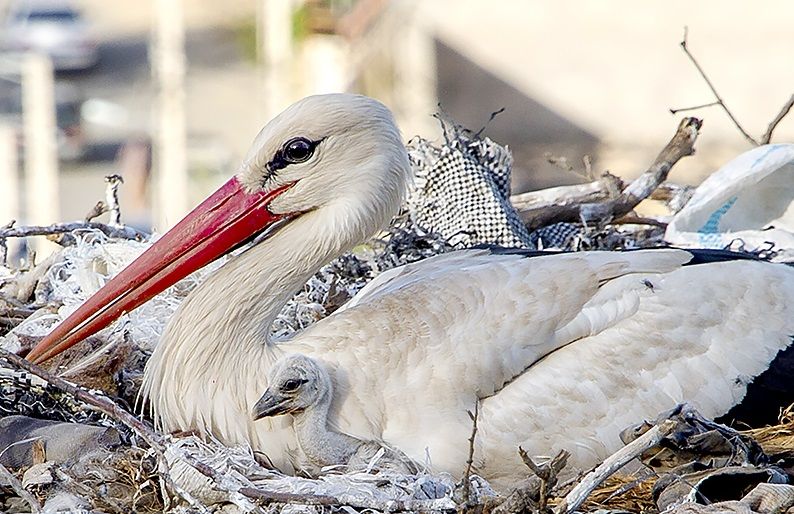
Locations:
(561, 351)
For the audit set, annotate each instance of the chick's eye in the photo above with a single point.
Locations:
(298, 150)
(292, 384)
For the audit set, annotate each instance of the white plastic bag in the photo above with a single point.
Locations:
(749, 202)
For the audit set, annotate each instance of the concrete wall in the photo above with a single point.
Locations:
(613, 69)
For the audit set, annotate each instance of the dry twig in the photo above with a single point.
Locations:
(546, 206)
(681, 145)
(767, 137)
(63, 228)
(719, 101)
(470, 461)
(574, 499)
(111, 409)
(606, 198)
(693, 108)
(96, 211)
(532, 495)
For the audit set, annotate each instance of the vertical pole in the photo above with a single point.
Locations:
(41, 148)
(415, 70)
(274, 34)
(9, 183)
(171, 195)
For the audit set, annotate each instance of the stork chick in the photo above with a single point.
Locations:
(301, 386)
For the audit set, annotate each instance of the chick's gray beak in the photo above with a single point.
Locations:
(269, 405)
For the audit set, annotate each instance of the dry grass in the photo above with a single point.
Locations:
(629, 493)
(777, 439)
(623, 492)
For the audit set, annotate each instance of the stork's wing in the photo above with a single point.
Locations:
(701, 335)
(479, 319)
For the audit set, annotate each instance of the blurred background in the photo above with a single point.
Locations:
(170, 93)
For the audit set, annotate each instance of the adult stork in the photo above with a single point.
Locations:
(561, 351)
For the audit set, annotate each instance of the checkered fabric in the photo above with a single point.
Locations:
(462, 192)
(561, 236)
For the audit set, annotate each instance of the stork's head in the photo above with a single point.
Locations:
(338, 155)
(296, 383)
(330, 149)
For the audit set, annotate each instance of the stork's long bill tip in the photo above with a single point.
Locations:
(227, 218)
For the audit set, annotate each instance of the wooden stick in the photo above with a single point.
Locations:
(551, 205)
(606, 198)
(681, 145)
(18, 488)
(574, 499)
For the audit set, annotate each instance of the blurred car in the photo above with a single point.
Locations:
(52, 27)
(70, 136)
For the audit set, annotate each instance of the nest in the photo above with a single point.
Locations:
(143, 471)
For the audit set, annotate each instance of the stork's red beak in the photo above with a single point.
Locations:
(224, 220)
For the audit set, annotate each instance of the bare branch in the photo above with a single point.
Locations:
(694, 107)
(681, 145)
(470, 460)
(574, 499)
(560, 162)
(719, 100)
(63, 228)
(96, 211)
(767, 137)
(603, 199)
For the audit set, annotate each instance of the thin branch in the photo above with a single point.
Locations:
(559, 161)
(767, 137)
(574, 499)
(588, 167)
(694, 107)
(18, 488)
(96, 211)
(470, 460)
(63, 228)
(719, 100)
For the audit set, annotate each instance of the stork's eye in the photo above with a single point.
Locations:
(292, 384)
(298, 150)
